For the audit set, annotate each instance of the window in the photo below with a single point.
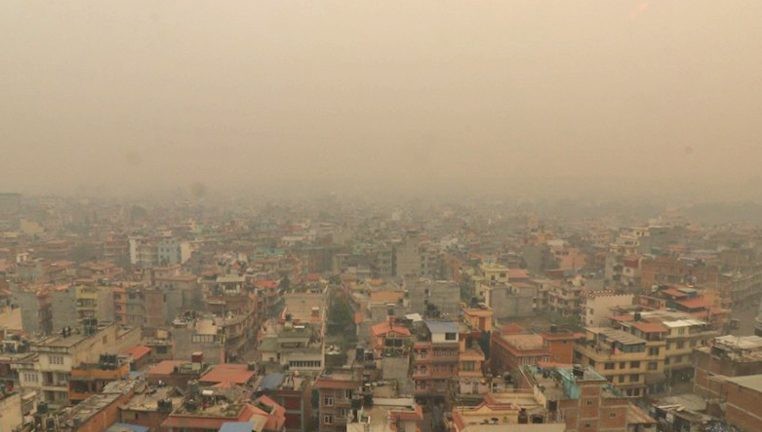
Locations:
(328, 401)
(450, 336)
(30, 377)
(328, 419)
(653, 351)
(467, 366)
(609, 366)
(622, 365)
(55, 359)
(592, 363)
(612, 415)
(634, 378)
(652, 366)
(621, 378)
(680, 345)
(635, 364)
(348, 394)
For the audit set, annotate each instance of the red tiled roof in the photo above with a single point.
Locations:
(517, 273)
(137, 352)
(385, 327)
(266, 284)
(228, 373)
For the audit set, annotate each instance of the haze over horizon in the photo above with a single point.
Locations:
(127, 97)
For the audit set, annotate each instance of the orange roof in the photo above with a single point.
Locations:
(266, 283)
(228, 373)
(694, 303)
(386, 296)
(386, 327)
(137, 352)
(650, 327)
(512, 328)
(165, 367)
(517, 273)
(276, 418)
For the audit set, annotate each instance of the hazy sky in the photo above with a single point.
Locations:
(114, 96)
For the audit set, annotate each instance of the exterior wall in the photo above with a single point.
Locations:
(104, 418)
(63, 309)
(743, 407)
(10, 412)
(508, 304)
(597, 310)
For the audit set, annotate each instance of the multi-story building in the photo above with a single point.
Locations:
(435, 359)
(94, 300)
(743, 397)
(294, 393)
(58, 355)
(584, 400)
(434, 298)
(89, 379)
(725, 357)
(618, 356)
(597, 306)
(511, 351)
(336, 390)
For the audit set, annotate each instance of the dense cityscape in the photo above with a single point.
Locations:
(337, 314)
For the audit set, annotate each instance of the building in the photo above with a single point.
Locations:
(436, 299)
(435, 361)
(758, 322)
(511, 351)
(89, 379)
(58, 355)
(743, 397)
(560, 345)
(387, 414)
(294, 393)
(620, 357)
(725, 357)
(150, 406)
(390, 339)
(584, 400)
(597, 306)
(209, 409)
(336, 390)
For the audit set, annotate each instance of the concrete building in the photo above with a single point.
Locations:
(725, 357)
(435, 359)
(89, 379)
(743, 398)
(621, 357)
(584, 400)
(294, 393)
(511, 300)
(336, 390)
(597, 306)
(511, 351)
(429, 297)
(63, 307)
(58, 355)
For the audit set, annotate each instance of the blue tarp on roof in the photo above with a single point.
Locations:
(272, 381)
(236, 427)
(126, 427)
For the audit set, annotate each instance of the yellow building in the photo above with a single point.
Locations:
(623, 358)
